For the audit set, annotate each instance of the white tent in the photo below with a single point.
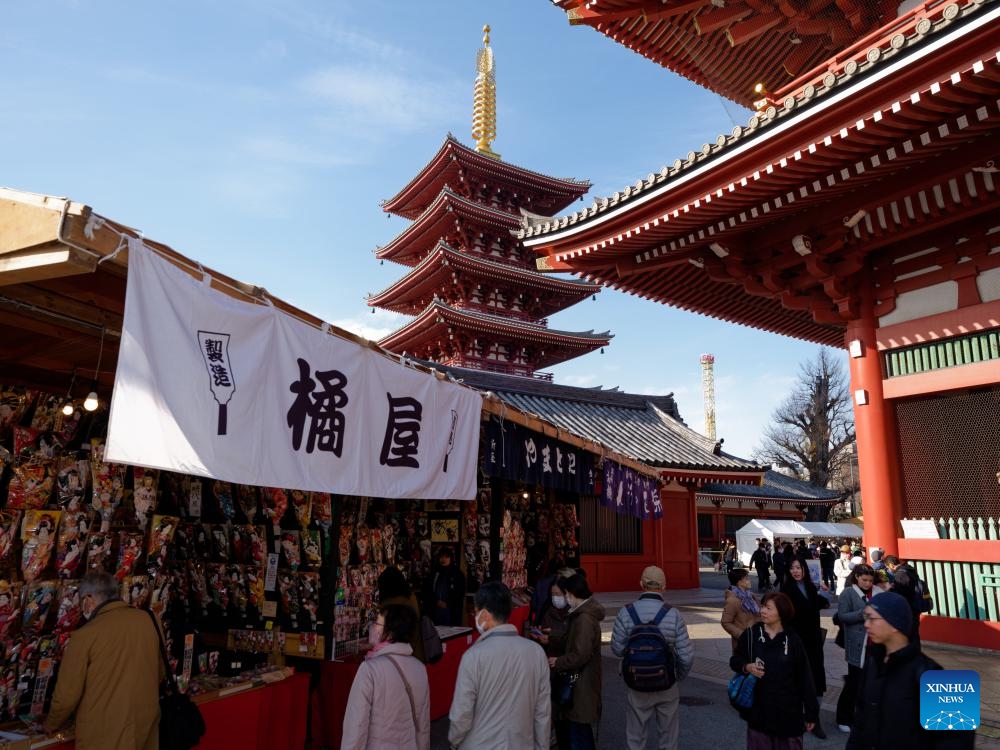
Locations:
(787, 530)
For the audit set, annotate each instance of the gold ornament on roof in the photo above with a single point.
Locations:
(484, 100)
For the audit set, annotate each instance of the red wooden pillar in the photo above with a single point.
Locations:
(876, 437)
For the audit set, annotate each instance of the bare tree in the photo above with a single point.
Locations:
(814, 427)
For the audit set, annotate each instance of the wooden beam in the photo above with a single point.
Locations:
(45, 261)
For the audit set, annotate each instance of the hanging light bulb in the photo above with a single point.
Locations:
(91, 402)
(67, 408)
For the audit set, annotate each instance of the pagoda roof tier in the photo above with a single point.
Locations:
(436, 273)
(771, 225)
(455, 163)
(439, 220)
(438, 319)
(731, 47)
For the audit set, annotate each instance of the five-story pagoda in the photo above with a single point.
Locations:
(477, 299)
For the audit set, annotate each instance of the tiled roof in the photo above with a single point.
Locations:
(454, 157)
(647, 428)
(444, 260)
(846, 68)
(776, 486)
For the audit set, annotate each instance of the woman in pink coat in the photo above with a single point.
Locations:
(389, 704)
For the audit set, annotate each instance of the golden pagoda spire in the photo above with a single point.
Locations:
(484, 100)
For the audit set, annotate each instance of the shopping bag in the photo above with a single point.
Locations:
(741, 686)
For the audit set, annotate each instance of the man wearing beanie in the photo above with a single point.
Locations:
(888, 708)
(664, 705)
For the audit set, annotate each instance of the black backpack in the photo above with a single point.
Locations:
(650, 663)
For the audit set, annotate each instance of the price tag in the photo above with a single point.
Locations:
(271, 577)
(194, 498)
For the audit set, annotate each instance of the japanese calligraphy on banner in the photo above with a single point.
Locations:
(212, 386)
(515, 452)
(628, 492)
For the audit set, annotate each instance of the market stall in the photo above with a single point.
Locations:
(787, 530)
(245, 471)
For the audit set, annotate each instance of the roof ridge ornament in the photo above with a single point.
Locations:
(484, 99)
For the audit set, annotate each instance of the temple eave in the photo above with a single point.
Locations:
(420, 191)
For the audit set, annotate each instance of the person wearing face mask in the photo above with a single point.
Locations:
(582, 656)
(850, 612)
(502, 691)
(389, 704)
(110, 673)
(551, 628)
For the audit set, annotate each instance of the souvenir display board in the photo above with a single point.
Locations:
(207, 557)
(375, 533)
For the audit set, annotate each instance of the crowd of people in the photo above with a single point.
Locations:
(535, 691)
(778, 639)
(544, 687)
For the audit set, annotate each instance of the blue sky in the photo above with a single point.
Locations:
(259, 137)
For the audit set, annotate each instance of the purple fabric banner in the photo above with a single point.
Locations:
(628, 492)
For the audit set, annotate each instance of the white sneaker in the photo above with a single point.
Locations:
(844, 728)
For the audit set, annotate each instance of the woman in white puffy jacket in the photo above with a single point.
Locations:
(389, 704)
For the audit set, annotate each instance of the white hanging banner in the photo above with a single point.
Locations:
(246, 393)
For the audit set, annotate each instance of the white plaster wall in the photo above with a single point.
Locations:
(920, 303)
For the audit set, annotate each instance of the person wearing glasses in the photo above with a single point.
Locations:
(888, 713)
(110, 674)
(389, 704)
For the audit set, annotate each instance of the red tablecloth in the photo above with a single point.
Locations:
(519, 616)
(444, 673)
(268, 718)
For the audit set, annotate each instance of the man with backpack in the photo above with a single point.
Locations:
(652, 640)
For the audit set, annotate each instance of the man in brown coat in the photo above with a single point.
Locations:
(110, 674)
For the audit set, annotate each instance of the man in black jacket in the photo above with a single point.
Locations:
(888, 709)
(761, 561)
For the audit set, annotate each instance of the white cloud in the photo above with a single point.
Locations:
(273, 50)
(257, 191)
(580, 381)
(372, 327)
(380, 99)
(282, 150)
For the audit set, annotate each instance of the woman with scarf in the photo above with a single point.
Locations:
(808, 601)
(389, 703)
(742, 609)
(858, 592)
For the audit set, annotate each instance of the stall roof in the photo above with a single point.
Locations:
(63, 273)
(784, 529)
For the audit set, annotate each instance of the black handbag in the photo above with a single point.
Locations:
(181, 723)
(562, 688)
